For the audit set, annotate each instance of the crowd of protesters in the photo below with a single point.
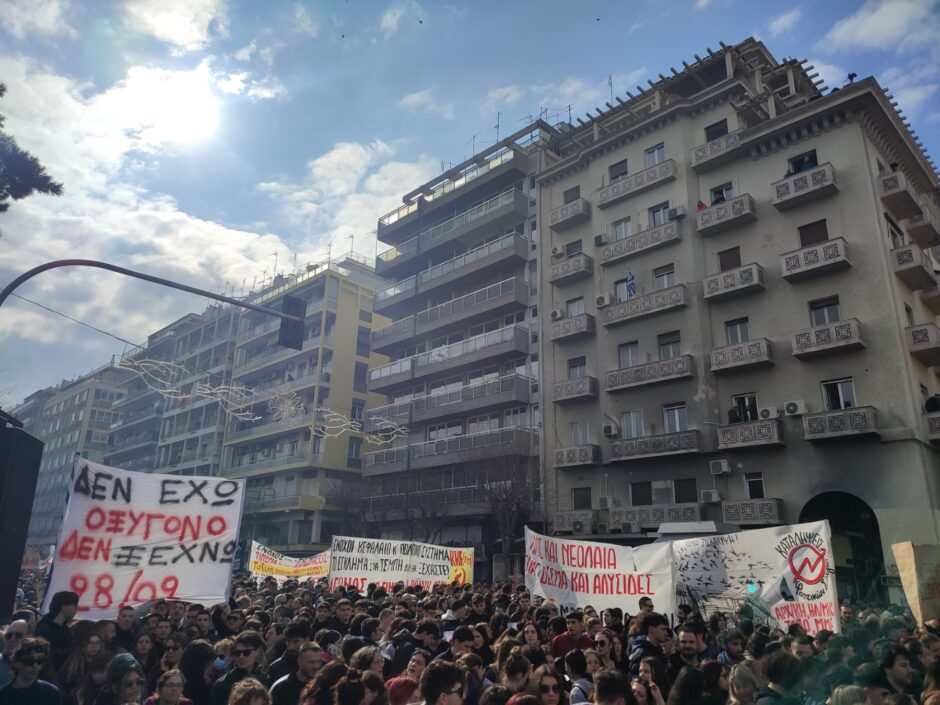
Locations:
(298, 644)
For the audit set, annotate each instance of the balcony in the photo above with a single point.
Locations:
(743, 356)
(387, 376)
(261, 467)
(397, 332)
(569, 215)
(821, 258)
(924, 229)
(838, 337)
(386, 298)
(637, 183)
(646, 305)
(679, 443)
(572, 327)
(650, 516)
(898, 196)
(508, 208)
(501, 343)
(650, 373)
(476, 260)
(574, 389)
(923, 343)
(578, 456)
(933, 425)
(724, 216)
(914, 267)
(931, 298)
(472, 448)
(267, 428)
(579, 521)
(378, 418)
(753, 512)
(706, 155)
(383, 462)
(571, 269)
(509, 294)
(805, 186)
(284, 504)
(842, 423)
(643, 241)
(504, 391)
(748, 279)
(749, 433)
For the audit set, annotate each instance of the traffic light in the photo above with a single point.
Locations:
(291, 334)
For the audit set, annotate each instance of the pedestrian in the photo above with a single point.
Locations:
(196, 665)
(249, 691)
(247, 650)
(169, 690)
(125, 682)
(54, 627)
(26, 688)
(287, 690)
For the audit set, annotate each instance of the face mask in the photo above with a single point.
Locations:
(219, 663)
(331, 649)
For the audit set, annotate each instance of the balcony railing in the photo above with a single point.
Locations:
(913, 266)
(487, 393)
(570, 269)
(569, 214)
(577, 456)
(754, 512)
(749, 433)
(247, 469)
(821, 258)
(804, 187)
(397, 214)
(705, 153)
(743, 356)
(856, 421)
(441, 231)
(472, 447)
(638, 243)
(285, 503)
(506, 242)
(923, 343)
(483, 341)
(837, 337)
(574, 389)
(389, 460)
(404, 287)
(397, 331)
(646, 305)
(407, 248)
(637, 183)
(572, 327)
(652, 446)
(933, 425)
(399, 413)
(479, 300)
(924, 229)
(734, 282)
(650, 516)
(898, 196)
(650, 373)
(265, 428)
(723, 216)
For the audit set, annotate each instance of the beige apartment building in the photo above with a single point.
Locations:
(739, 307)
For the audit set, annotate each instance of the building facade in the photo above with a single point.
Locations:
(740, 302)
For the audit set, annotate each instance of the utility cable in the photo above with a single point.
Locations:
(75, 320)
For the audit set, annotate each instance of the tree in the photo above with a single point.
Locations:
(509, 488)
(21, 174)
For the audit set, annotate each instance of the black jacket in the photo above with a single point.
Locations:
(287, 690)
(640, 648)
(59, 637)
(223, 687)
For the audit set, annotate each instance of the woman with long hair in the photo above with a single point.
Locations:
(646, 693)
(196, 665)
(503, 649)
(481, 644)
(350, 690)
(515, 671)
(603, 647)
(742, 686)
(651, 670)
(850, 695)
(79, 661)
(319, 691)
(547, 687)
(688, 688)
(144, 652)
(169, 690)
(249, 691)
(716, 684)
(931, 692)
(417, 663)
(91, 684)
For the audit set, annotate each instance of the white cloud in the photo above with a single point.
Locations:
(424, 101)
(244, 54)
(785, 22)
(303, 22)
(185, 24)
(43, 17)
(889, 25)
(833, 75)
(497, 98)
(912, 85)
(233, 83)
(702, 4)
(392, 18)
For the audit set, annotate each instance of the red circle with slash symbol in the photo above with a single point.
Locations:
(807, 563)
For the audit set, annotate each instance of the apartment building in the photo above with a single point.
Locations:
(302, 456)
(740, 313)
(464, 362)
(72, 417)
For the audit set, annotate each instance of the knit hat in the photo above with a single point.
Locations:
(120, 665)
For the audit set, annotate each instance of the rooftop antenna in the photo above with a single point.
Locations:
(610, 84)
(569, 112)
(497, 126)
(473, 144)
(352, 239)
(274, 254)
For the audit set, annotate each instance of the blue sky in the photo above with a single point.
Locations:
(195, 138)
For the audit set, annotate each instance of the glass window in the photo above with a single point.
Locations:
(359, 377)
(354, 449)
(811, 233)
(572, 194)
(655, 155)
(669, 344)
(575, 307)
(722, 193)
(743, 408)
(754, 485)
(629, 354)
(580, 497)
(825, 311)
(716, 130)
(631, 424)
(573, 248)
(897, 237)
(579, 433)
(729, 259)
(737, 331)
(839, 394)
(621, 229)
(356, 412)
(617, 171)
(664, 277)
(641, 494)
(659, 214)
(685, 490)
(804, 161)
(675, 418)
(625, 288)
(577, 368)
(909, 314)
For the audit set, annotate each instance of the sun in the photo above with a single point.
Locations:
(187, 111)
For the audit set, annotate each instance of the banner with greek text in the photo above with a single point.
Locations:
(357, 562)
(919, 570)
(128, 538)
(786, 573)
(265, 562)
(579, 573)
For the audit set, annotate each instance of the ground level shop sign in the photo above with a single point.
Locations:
(128, 538)
(358, 562)
(265, 562)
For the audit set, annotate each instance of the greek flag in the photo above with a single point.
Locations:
(631, 285)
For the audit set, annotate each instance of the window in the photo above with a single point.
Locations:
(685, 491)
(575, 307)
(359, 377)
(716, 130)
(625, 288)
(363, 343)
(812, 233)
(737, 331)
(909, 313)
(825, 311)
(573, 248)
(355, 413)
(579, 433)
(641, 494)
(439, 432)
(655, 155)
(354, 449)
(518, 416)
(629, 354)
(621, 229)
(669, 345)
(617, 171)
(729, 259)
(577, 368)
(722, 193)
(365, 315)
(804, 161)
(659, 214)
(754, 485)
(897, 237)
(580, 497)
(483, 423)
(664, 277)
(839, 394)
(743, 408)
(631, 424)
(675, 418)
(572, 194)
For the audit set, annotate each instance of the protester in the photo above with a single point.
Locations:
(247, 651)
(169, 690)
(54, 626)
(124, 682)
(26, 688)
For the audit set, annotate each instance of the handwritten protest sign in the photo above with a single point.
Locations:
(579, 573)
(786, 573)
(265, 562)
(919, 570)
(128, 538)
(358, 562)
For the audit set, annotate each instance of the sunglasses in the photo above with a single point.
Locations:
(14, 635)
(242, 652)
(33, 661)
(458, 691)
(173, 648)
(545, 689)
(601, 642)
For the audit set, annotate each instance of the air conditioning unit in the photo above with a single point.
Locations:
(603, 528)
(795, 407)
(610, 430)
(603, 300)
(677, 213)
(768, 412)
(600, 239)
(710, 496)
(558, 251)
(609, 502)
(534, 246)
(557, 314)
(719, 467)
(577, 527)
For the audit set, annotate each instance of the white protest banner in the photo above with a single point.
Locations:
(128, 538)
(579, 573)
(358, 562)
(919, 570)
(264, 562)
(786, 573)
